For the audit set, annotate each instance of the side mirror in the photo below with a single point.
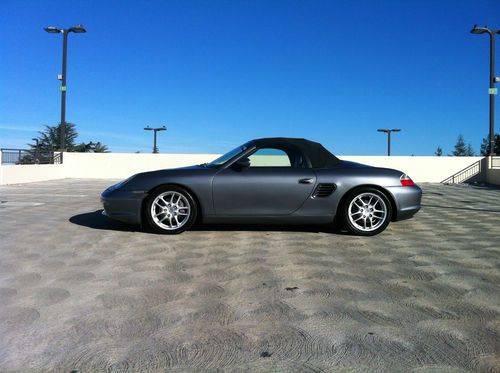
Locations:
(241, 164)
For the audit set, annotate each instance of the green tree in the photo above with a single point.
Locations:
(49, 140)
(485, 145)
(461, 149)
(469, 152)
(83, 147)
(91, 147)
(100, 148)
(439, 151)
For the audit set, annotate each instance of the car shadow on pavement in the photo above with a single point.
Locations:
(266, 228)
(96, 220)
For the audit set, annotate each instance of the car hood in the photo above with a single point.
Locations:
(171, 170)
(147, 180)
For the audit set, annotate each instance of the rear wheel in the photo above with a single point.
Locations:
(171, 210)
(367, 212)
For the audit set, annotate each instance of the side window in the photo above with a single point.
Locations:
(270, 157)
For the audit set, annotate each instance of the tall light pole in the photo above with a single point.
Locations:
(492, 90)
(388, 131)
(155, 148)
(78, 29)
(36, 148)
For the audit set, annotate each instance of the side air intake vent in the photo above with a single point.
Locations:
(324, 190)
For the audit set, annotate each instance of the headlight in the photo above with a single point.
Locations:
(121, 183)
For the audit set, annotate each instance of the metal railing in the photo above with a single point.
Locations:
(23, 156)
(464, 175)
(495, 162)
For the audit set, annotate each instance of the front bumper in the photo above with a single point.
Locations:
(408, 201)
(123, 205)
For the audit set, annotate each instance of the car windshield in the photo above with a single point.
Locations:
(230, 155)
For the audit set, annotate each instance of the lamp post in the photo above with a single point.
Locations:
(492, 90)
(147, 128)
(78, 29)
(388, 131)
(36, 149)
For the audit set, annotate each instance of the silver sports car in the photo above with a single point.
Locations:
(271, 181)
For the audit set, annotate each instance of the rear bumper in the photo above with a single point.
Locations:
(121, 205)
(408, 201)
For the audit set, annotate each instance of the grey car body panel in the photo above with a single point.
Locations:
(196, 179)
(263, 194)
(122, 205)
(275, 191)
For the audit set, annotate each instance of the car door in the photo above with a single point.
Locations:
(277, 182)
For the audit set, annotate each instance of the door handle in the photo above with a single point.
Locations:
(309, 180)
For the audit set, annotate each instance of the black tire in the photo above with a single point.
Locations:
(366, 211)
(171, 210)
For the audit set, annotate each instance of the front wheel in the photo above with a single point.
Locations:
(367, 212)
(171, 210)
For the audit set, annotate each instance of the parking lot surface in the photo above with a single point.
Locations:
(80, 292)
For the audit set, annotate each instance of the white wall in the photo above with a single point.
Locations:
(493, 172)
(12, 174)
(122, 165)
(420, 169)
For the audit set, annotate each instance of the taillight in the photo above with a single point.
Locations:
(406, 180)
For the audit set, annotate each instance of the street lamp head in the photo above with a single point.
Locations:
(396, 130)
(147, 128)
(479, 30)
(163, 128)
(52, 30)
(79, 29)
(382, 130)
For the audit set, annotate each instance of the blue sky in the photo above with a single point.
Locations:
(218, 73)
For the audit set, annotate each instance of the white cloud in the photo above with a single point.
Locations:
(20, 127)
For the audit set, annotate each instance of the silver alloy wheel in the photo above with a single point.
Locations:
(367, 212)
(170, 210)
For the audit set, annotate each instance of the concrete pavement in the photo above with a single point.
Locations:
(80, 292)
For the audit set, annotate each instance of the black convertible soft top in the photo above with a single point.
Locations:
(319, 156)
